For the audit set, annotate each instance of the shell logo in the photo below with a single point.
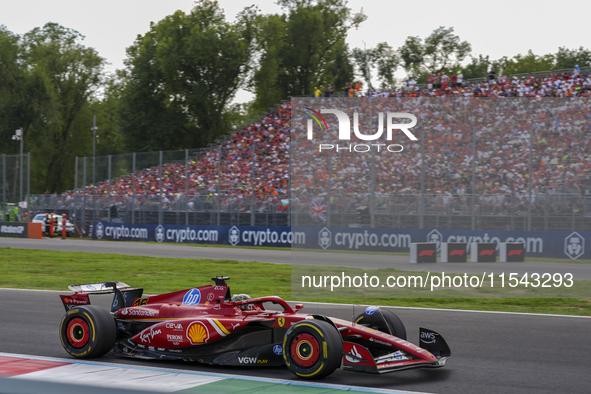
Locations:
(197, 333)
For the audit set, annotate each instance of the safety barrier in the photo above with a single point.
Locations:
(20, 230)
(555, 244)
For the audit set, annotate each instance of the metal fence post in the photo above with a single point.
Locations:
(3, 184)
(29, 185)
(219, 182)
(529, 184)
(93, 187)
(133, 188)
(422, 201)
(547, 197)
(76, 174)
(109, 188)
(84, 195)
(160, 213)
(473, 227)
(330, 191)
(252, 174)
(186, 187)
(21, 162)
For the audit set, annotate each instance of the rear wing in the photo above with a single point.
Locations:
(98, 288)
(123, 297)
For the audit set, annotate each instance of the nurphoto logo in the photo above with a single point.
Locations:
(345, 130)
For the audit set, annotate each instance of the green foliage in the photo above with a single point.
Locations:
(529, 63)
(412, 55)
(270, 32)
(55, 270)
(108, 137)
(480, 66)
(180, 77)
(302, 49)
(440, 50)
(382, 58)
(564, 58)
(569, 58)
(182, 74)
(13, 97)
(340, 69)
(49, 78)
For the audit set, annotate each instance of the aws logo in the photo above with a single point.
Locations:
(344, 133)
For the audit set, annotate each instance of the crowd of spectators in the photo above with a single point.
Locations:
(559, 128)
(575, 84)
(501, 113)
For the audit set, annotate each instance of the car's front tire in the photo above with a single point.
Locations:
(312, 349)
(382, 320)
(88, 332)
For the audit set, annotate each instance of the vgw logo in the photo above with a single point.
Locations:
(345, 130)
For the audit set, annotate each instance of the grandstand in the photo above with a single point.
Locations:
(245, 179)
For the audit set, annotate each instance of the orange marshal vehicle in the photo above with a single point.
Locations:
(207, 325)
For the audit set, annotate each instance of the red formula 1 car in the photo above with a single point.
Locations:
(206, 325)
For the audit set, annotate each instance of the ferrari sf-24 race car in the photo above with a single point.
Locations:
(205, 324)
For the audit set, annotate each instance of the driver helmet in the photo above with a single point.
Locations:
(240, 297)
(243, 297)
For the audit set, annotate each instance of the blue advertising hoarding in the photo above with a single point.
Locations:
(555, 244)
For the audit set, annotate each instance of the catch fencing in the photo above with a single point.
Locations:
(15, 177)
(550, 212)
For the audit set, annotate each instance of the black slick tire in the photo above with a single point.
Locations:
(88, 332)
(382, 320)
(312, 349)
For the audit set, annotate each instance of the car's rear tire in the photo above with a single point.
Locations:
(382, 320)
(312, 349)
(88, 332)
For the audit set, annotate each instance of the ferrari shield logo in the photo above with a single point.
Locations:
(281, 321)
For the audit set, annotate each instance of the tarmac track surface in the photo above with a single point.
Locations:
(491, 352)
(351, 260)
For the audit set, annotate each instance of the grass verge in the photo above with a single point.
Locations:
(52, 270)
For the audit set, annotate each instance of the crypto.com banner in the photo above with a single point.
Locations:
(364, 169)
(221, 235)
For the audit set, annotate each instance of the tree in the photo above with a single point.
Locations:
(339, 69)
(270, 31)
(412, 53)
(71, 73)
(106, 109)
(569, 58)
(528, 63)
(12, 81)
(48, 78)
(181, 76)
(302, 48)
(382, 58)
(481, 65)
(438, 52)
